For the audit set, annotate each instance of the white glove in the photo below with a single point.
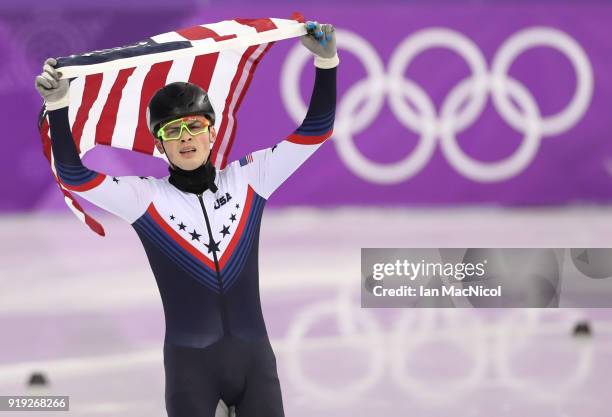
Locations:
(321, 41)
(53, 90)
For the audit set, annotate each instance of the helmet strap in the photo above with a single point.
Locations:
(166, 153)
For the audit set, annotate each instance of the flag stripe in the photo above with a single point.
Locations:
(261, 25)
(125, 127)
(93, 83)
(230, 27)
(196, 33)
(89, 130)
(168, 37)
(203, 69)
(77, 86)
(155, 79)
(44, 136)
(203, 65)
(108, 117)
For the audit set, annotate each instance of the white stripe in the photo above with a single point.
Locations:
(227, 27)
(127, 113)
(204, 43)
(77, 212)
(289, 31)
(282, 23)
(169, 37)
(180, 69)
(76, 98)
(230, 27)
(89, 131)
(234, 99)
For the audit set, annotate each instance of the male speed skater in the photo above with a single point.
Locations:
(200, 229)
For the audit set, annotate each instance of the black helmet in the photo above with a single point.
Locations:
(176, 100)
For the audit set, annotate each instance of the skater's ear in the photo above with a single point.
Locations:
(159, 146)
(213, 135)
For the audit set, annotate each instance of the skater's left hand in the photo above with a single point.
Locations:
(320, 39)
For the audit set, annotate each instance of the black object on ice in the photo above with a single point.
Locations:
(582, 329)
(37, 379)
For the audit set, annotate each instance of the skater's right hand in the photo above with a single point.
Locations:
(53, 90)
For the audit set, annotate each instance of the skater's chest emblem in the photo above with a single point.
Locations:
(223, 200)
(219, 240)
(216, 233)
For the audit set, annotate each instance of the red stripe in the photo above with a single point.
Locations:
(226, 37)
(246, 212)
(309, 140)
(239, 101)
(93, 183)
(94, 225)
(108, 117)
(261, 25)
(196, 33)
(203, 65)
(154, 80)
(89, 221)
(90, 94)
(298, 16)
(178, 238)
(67, 194)
(202, 70)
(45, 139)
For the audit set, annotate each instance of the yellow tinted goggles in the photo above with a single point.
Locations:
(174, 128)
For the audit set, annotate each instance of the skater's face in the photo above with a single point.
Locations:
(187, 141)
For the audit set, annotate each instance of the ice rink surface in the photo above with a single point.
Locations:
(85, 311)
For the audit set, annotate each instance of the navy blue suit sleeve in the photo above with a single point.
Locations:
(68, 165)
(321, 110)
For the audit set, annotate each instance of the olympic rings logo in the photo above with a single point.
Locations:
(494, 348)
(460, 108)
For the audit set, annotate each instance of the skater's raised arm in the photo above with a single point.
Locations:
(127, 196)
(268, 168)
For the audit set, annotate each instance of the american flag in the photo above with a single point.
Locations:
(110, 89)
